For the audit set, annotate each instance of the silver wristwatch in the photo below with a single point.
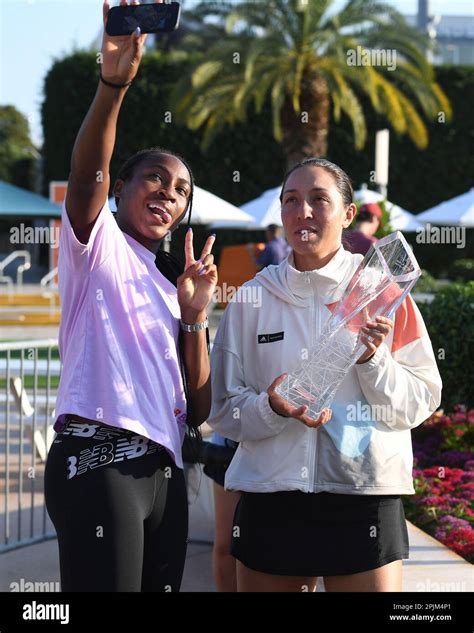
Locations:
(195, 327)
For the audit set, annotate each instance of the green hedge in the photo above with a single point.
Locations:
(449, 318)
(426, 283)
(249, 149)
(462, 270)
(438, 259)
(418, 179)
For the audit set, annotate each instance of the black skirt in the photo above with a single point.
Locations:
(318, 534)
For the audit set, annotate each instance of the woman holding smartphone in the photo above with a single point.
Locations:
(319, 497)
(134, 354)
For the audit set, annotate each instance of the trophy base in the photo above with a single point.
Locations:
(298, 393)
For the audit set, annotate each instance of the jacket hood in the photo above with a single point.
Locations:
(296, 287)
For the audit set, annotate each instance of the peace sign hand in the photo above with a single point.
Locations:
(196, 285)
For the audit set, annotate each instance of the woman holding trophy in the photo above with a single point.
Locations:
(320, 493)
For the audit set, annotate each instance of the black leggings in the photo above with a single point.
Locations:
(119, 506)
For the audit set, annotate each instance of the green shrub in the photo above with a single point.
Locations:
(426, 283)
(418, 179)
(449, 318)
(239, 166)
(245, 160)
(462, 270)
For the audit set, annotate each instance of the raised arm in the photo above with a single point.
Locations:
(89, 179)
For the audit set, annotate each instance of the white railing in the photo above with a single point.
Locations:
(48, 278)
(28, 386)
(19, 271)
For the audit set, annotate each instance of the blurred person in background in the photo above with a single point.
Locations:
(276, 250)
(368, 222)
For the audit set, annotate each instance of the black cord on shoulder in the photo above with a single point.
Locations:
(171, 268)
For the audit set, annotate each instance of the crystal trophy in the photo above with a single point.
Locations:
(379, 285)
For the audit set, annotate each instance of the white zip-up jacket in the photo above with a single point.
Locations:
(366, 446)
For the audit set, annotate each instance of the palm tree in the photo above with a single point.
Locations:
(193, 35)
(297, 51)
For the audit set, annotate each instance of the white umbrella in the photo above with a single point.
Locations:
(208, 209)
(400, 219)
(266, 209)
(458, 211)
(366, 196)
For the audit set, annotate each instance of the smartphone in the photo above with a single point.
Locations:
(151, 18)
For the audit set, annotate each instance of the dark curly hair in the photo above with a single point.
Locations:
(128, 168)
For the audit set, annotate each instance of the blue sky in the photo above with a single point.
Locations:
(35, 32)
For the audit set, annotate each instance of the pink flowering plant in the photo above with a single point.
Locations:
(444, 480)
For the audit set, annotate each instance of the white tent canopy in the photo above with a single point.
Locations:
(209, 209)
(366, 196)
(458, 211)
(400, 219)
(266, 209)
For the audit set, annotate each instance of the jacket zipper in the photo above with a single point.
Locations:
(312, 432)
(316, 431)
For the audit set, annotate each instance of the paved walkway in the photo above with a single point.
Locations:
(432, 567)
